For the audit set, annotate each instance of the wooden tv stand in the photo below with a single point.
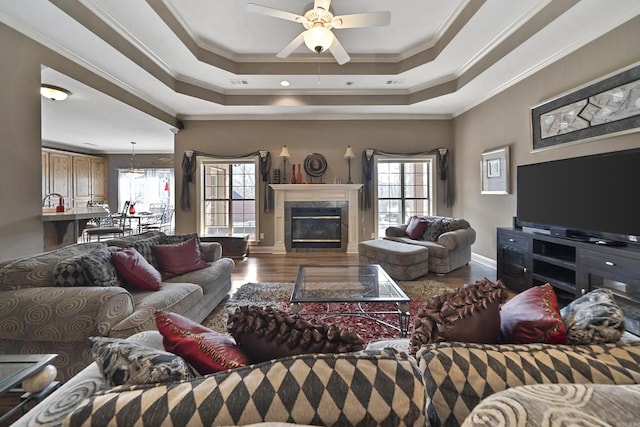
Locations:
(572, 267)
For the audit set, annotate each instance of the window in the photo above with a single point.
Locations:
(404, 187)
(150, 186)
(229, 197)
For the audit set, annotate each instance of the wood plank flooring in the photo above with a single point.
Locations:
(284, 268)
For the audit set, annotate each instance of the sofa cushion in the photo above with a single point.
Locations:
(269, 333)
(416, 228)
(471, 313)
(37, 270)
(593, 318)
(460, 375)
(206, 350)
(533, 316)
(136, 270)
(124, 362)
(178, 258)
(367, 388)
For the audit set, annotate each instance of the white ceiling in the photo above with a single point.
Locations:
(189, 58)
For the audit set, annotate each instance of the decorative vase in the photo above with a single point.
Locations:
(132, 210)
(293, 174)
(299, 176)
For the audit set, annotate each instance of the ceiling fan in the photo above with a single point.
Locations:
(318, 23)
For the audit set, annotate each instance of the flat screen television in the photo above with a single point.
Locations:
(590, 198)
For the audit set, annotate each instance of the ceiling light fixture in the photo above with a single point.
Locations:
(284, 83)
(318, 38)
(133, 171)
(54, 93)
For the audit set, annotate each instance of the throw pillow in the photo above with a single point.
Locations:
(354, 389)
(136, 270)
(435, 228)
(269, 333)
(533, 316)
(416, 228)
(125, 362)
(594, 318)
(206, 350)
(470, 313)
(179, 258)
(92, 268)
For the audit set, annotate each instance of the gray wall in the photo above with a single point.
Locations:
(505, 120)
(329, 138)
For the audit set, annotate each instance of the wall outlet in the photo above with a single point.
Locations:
(261, 236)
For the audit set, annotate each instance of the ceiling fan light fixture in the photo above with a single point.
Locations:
(318, 38)
(54, 93)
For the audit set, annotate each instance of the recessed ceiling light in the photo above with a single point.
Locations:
(284, 83)
(349, 83)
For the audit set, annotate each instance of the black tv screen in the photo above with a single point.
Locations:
(593, 195)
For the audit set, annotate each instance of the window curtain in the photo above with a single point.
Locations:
(189, 168)
(442, 155)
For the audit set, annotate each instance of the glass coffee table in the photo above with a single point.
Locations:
(359, 284)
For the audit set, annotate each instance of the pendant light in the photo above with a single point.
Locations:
(133, 171)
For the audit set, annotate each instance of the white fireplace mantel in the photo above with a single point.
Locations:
(312, 193)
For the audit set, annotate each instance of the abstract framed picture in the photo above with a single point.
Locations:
(494, 171)
(605, 108)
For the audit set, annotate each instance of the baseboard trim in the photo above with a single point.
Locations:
(484, 260)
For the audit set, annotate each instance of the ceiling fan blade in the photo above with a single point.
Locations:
(276, 13)
(288, 49)
(359, 20)
(322, 4)
(338, 52)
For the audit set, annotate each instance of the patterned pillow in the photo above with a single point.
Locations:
(471, 313)
(367, 388)
(93, 268)
(125, 362)
(533, 316)
(206, 350)
(593, 318)
(459, 375)
(435, 228)
(269, 333)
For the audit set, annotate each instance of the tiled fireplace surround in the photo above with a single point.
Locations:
(344, 196)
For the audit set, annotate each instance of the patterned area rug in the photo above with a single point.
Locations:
(277, 295)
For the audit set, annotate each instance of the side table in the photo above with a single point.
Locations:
(233, 245)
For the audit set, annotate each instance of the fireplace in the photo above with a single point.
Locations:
(316, 227)
(343, 196)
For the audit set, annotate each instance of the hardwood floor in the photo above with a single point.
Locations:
(284, 268)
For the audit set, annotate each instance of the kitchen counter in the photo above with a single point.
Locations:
(65, 228)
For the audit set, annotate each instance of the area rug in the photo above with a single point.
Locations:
(277, 295)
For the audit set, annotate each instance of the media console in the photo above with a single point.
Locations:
(572, 267)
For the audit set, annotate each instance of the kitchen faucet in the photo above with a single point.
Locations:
(44, 199)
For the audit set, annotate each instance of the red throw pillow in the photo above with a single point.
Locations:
(132, 266)
(416, 228)
(206, 350)
(533, 316)
(179, 258)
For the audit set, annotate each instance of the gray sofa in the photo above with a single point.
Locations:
(448, 241)
(37, 316)
(457, 378)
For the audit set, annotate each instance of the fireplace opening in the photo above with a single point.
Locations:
(316, 227)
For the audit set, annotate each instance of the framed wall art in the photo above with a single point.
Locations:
(494, 171)
(607, 107)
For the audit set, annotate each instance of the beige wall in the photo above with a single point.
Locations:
(505, 120)
(329, 138)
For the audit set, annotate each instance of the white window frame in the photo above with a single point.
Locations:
(201, 162)
(433, 190)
